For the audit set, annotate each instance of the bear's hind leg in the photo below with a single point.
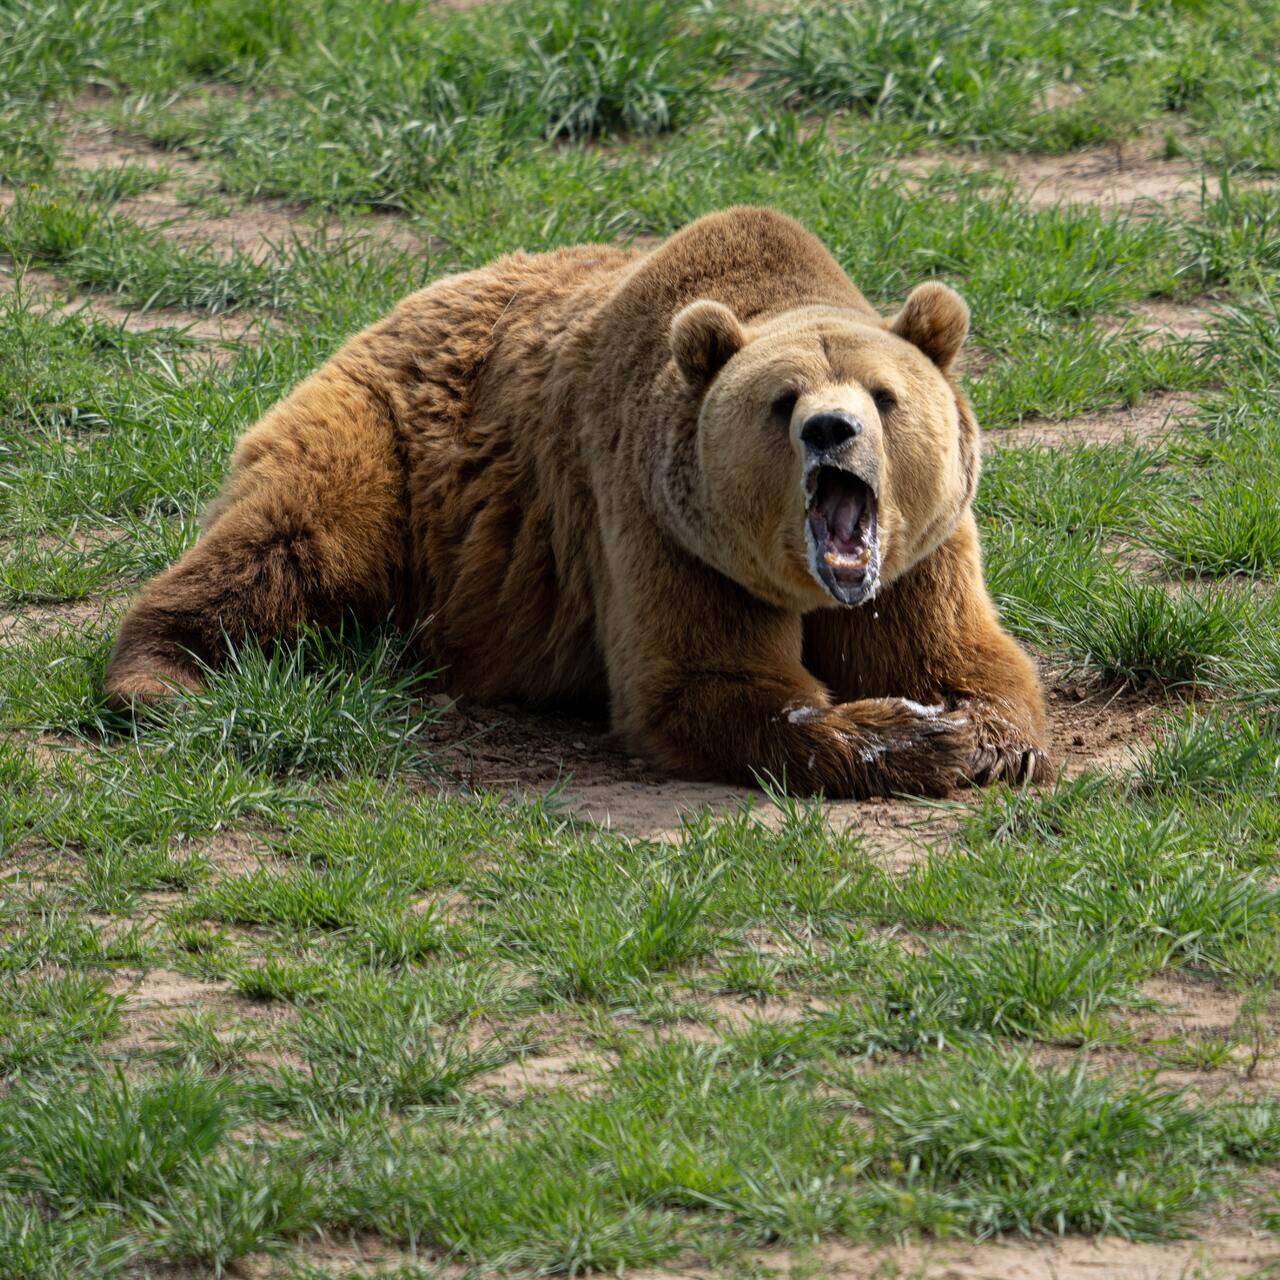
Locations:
(308, 527)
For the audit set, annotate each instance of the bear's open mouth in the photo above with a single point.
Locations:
(843, 538)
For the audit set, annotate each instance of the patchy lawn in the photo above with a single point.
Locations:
(319, 974)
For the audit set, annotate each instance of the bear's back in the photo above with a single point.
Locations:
(501, 536)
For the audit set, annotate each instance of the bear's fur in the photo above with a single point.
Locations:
(707, 484)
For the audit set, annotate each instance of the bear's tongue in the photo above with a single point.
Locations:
(842, 512)
(839, 503)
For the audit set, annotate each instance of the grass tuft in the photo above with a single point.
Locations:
(326, 704)
(992, 1144)
(112, 1142)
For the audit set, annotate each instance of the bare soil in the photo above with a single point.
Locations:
(219, 335)
(509, 749)
(152, 1000)
(596, 780)
(1210, 1257)
(260, 228)
(1118, 176)
(186, 207)
(93, 145)
(543, 1072)
(253, 227)
(1188, 1006)
(18, 625)
(1191, 320)
(1101, 730)
(1130, 176)
(1152, 418)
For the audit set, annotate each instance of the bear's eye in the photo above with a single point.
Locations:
(785, 405)
(885, 401)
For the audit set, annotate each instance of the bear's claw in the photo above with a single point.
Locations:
(1002, 752)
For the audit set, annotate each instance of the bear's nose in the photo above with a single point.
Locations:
(829, 430)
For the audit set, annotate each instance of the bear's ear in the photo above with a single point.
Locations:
(703, 337)
(935, 319)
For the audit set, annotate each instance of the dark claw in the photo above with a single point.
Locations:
(990, 764)
(983, 764)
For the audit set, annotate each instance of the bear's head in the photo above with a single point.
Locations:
(834, 451)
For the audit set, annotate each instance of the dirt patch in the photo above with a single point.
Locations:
(70, 539)
(1101, 730)
(95, 146)
(900, 833)
(347, 1257)
(235, 853)
(1216, 1042)
(1152, 418)
(259, 229)
(735, 1014)
(539, 1073)
(1192, 1006)
(155, 998)
(1121, 177)
(1212, 1257)
(594, 779)
(254, 228)
(27, 624)
(655, 807)
(165, 989)
(184, 206)
(1179, 320)
(1115, 176)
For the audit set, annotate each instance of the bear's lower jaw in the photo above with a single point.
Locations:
(842, 533)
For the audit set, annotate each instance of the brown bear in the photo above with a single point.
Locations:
(706, 485)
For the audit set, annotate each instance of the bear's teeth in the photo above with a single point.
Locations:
(858, 561)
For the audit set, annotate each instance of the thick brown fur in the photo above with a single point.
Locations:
(564, 470)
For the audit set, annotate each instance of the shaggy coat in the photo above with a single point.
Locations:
(707, 486)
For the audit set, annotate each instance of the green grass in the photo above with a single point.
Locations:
(328, 704)
(379, 1044)
(1144, 633)
(995, 1145)
(114, 1142)
(1234, 528)
(995, 85)
(466, 1028)
(363, 106)
(1212, 754)
(36, 1246)
(48, 1020)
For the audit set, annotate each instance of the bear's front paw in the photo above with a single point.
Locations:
(920, 749)
(1002, 752)
(884, 746)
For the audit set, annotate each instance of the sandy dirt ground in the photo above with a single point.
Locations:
(1129, 176)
